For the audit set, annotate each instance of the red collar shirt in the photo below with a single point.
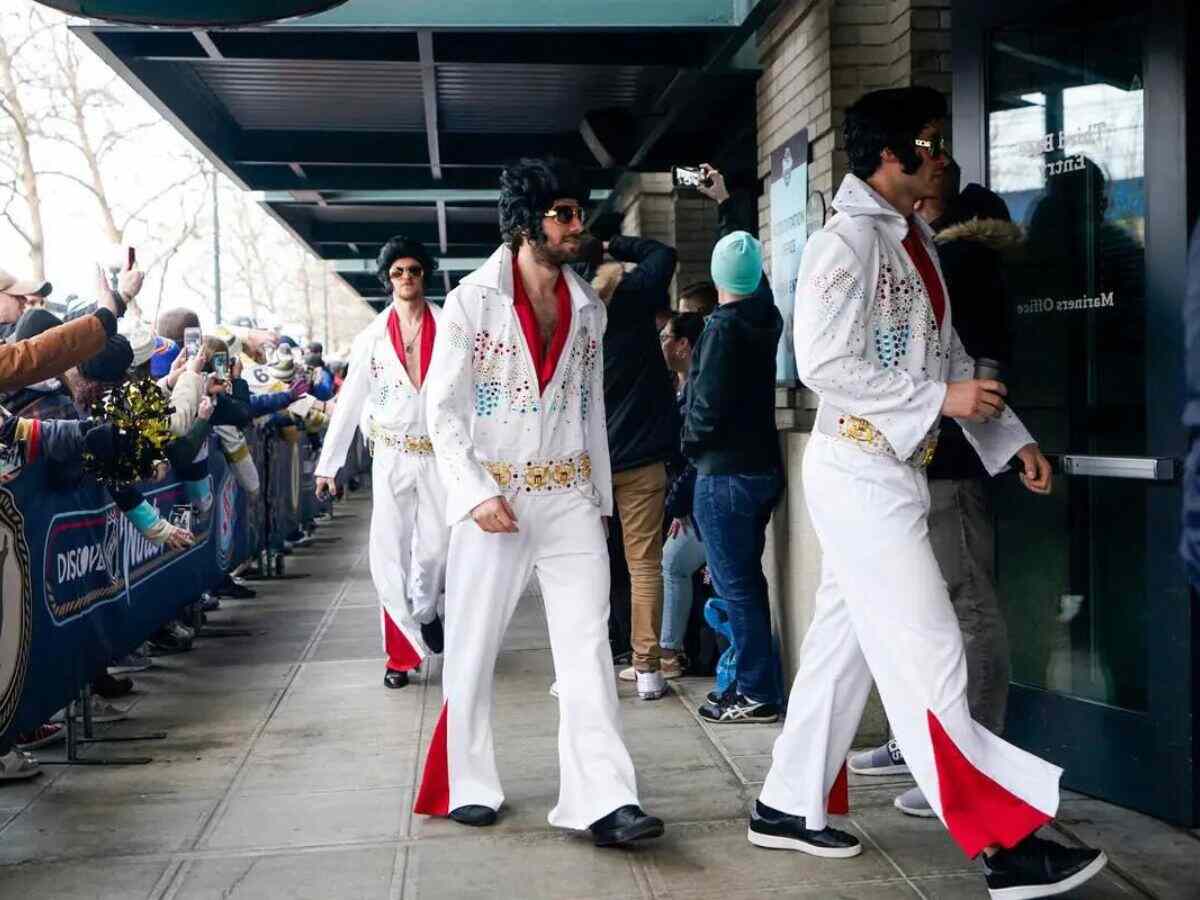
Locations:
(377, 390)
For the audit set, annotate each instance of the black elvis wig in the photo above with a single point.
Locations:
(890, 118)
(526, 191)
(400, 247)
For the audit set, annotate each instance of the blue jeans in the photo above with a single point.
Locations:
(732, 512)
(683, 554)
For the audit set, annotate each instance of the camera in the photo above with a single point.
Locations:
(689, 177)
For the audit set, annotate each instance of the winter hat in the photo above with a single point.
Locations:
(162, 357)
(283, 366)
(230, 337)
(33, 322)
(737, 263)
(140, 337)
(111, 362)
(314, 361)
(285, 341)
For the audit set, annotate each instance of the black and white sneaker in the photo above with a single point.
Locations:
(777, 830)
(1040, 868)
(737, 709)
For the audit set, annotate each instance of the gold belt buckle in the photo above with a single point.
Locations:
(564, 473)
(859, 429)
(502, 472)
(585, 467)
(930, 450)
(535, 476)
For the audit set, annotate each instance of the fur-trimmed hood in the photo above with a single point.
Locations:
(996, 234)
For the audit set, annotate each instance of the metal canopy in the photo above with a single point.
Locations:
(380, 116)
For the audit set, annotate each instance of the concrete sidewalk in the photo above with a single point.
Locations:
(288, 772)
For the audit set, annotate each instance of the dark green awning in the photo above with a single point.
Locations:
(191, 12)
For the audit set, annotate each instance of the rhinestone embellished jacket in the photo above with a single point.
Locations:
(482, 395)
(377, 390)
(867, 341)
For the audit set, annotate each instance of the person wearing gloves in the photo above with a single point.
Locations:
(729, 435)
(385, 398)
(516, 416)
(876, 342)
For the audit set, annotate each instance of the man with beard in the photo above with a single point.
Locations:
(875, 341)
(516, 414)
(385, 395)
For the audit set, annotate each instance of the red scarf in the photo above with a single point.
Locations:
(928, 272)
(545, 359)
(428, 331)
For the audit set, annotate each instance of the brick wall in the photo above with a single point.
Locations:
(819, 56)
(651, 208)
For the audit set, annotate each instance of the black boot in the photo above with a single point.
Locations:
(395, 678)
(433, 636)
(477, 816)
(625, 825)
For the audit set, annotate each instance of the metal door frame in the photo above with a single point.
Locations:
(1141, 760)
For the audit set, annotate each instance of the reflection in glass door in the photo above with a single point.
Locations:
(1065, 131)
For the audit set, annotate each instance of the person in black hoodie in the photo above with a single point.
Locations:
(729, 433)
(643, 429)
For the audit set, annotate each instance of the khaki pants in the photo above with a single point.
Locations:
(640, 495)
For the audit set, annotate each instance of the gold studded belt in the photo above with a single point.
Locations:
(414, 444)
(867, 437)
(551, 476)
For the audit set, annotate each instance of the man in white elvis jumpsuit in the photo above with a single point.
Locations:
(874, 340)
(384, 396)
(516, 414)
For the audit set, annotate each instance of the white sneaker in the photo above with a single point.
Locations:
(16, 766)
(651, 685)
(627, 674)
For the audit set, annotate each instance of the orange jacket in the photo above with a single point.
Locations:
(51, 353)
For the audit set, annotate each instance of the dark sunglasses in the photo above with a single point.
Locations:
(565, 214)
(414, 271)
(936, 145)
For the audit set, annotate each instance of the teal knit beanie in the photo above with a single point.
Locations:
(737, 263)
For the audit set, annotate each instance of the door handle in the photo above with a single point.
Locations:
(1143, 468)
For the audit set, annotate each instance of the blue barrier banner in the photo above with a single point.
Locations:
(81, 585)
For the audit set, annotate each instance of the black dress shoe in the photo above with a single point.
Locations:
(230, 588)
(777, 830)
(625, 825)
(477, 816)
(1040, 868)
(394, 678)
(433, 636)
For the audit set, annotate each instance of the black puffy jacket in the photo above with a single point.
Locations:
(643, 422)
(729, 427)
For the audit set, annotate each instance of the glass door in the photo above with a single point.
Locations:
(1080, 572)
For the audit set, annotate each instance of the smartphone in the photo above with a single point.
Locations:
(181, 516)
(220, 364)
(191, 341)
(131, 259)
(689, 177)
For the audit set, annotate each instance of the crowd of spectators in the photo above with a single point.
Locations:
(58, 361)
